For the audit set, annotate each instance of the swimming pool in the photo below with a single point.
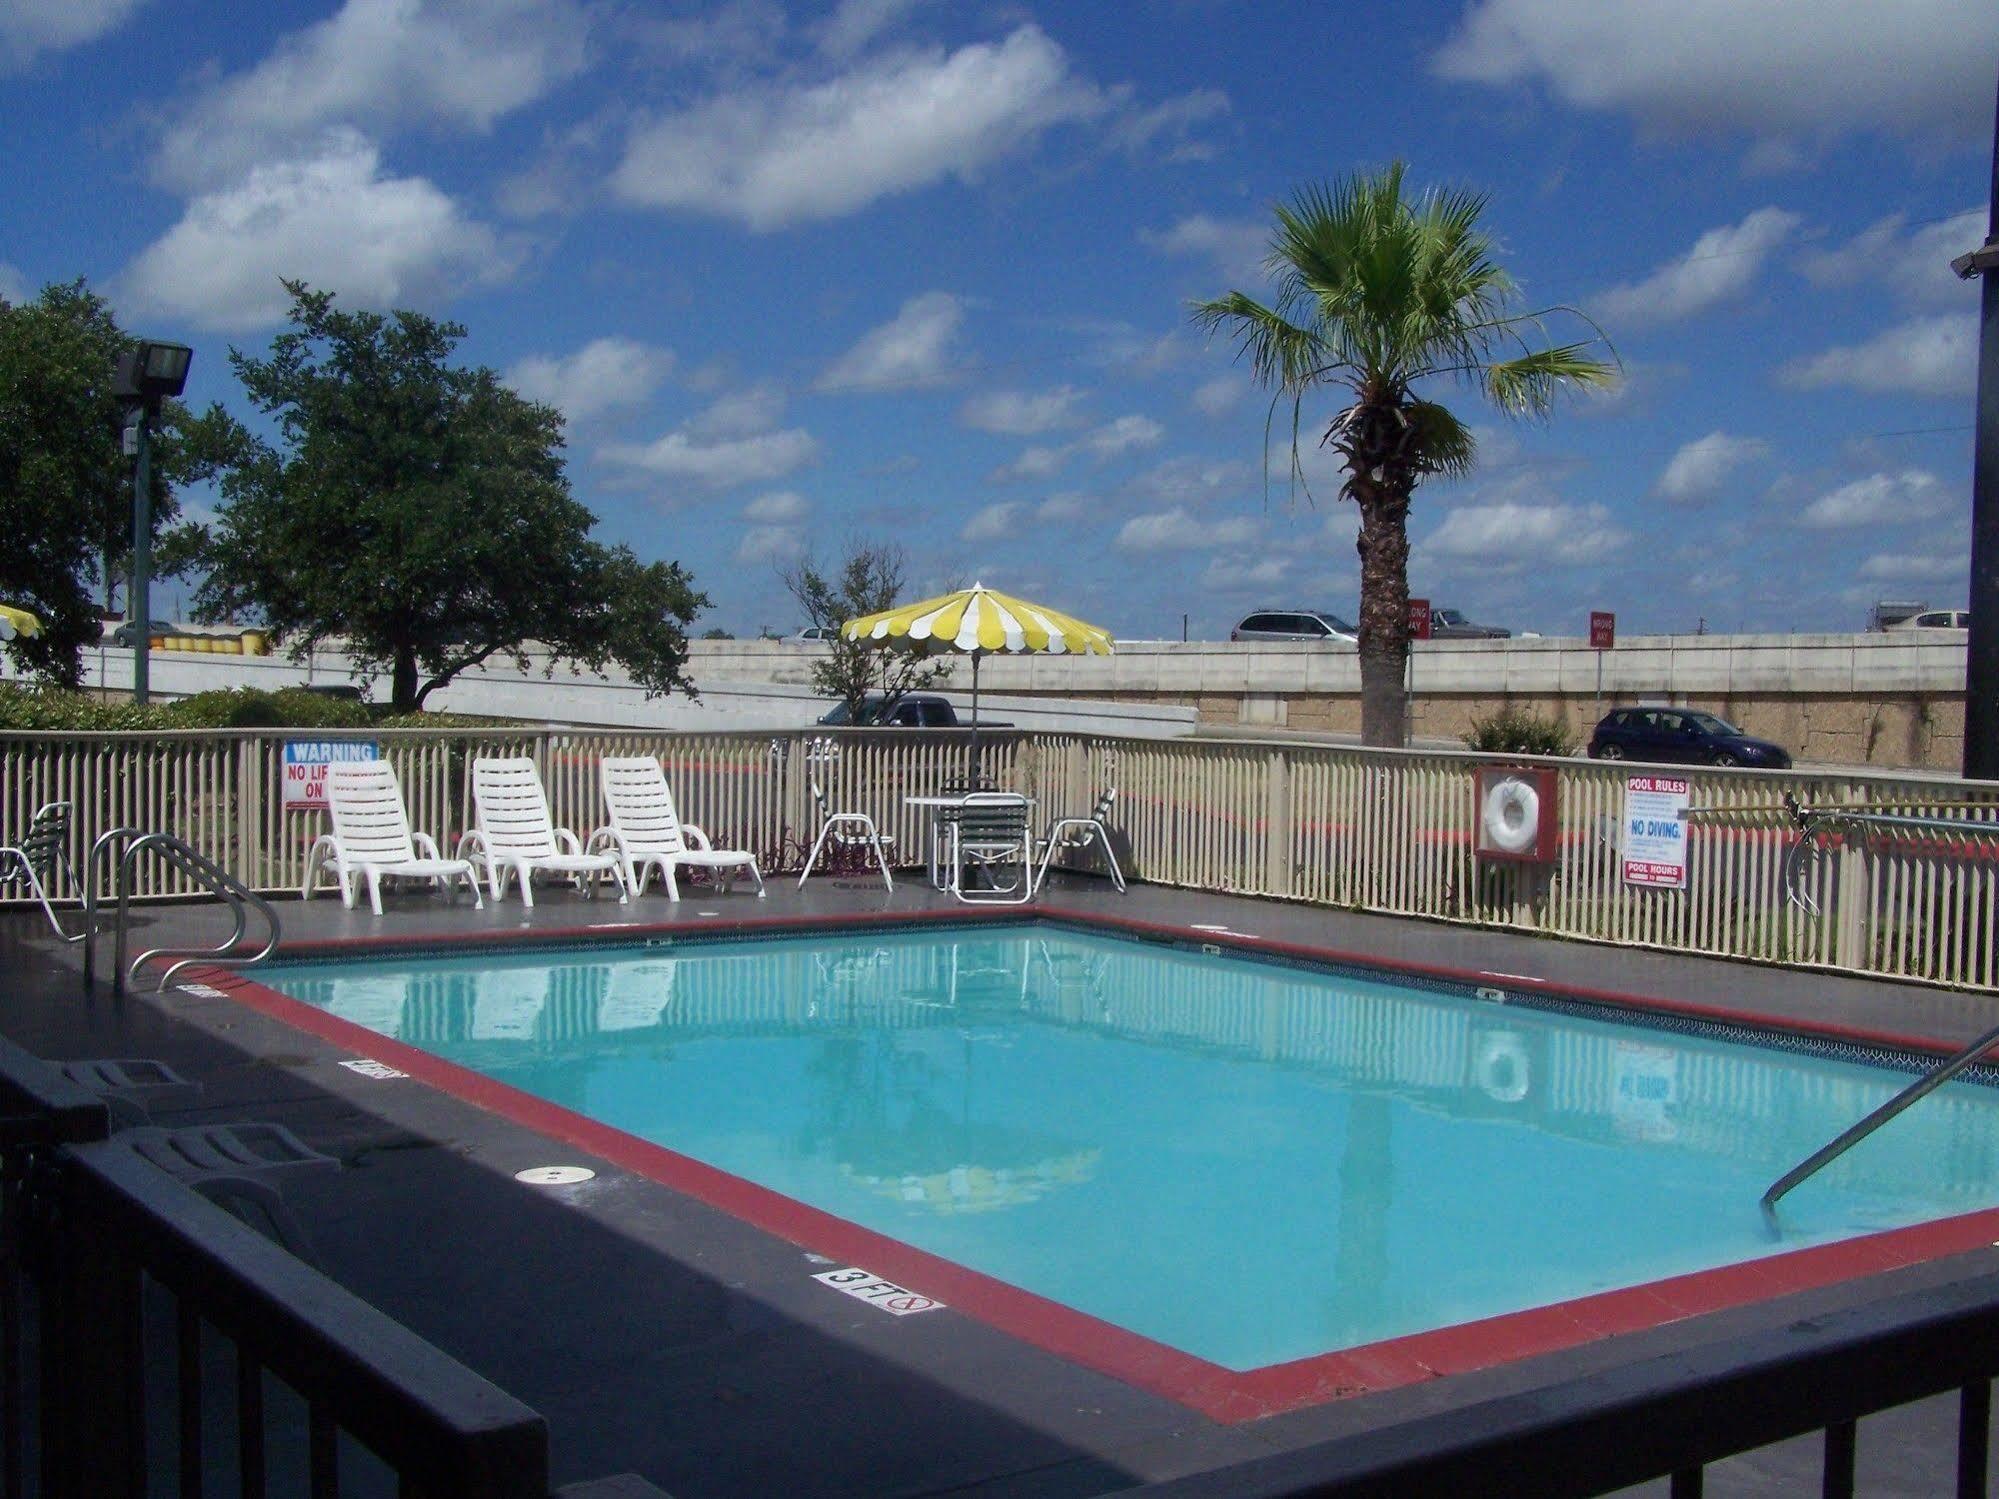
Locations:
(1249, 1162)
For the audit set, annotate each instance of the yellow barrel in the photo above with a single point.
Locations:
(256, 643)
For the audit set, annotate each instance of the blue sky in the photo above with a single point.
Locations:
(918, 269)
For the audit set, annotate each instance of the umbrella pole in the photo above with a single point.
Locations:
(975, 720)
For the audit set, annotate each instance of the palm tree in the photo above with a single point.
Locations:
(1376, 293)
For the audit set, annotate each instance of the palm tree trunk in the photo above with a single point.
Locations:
(1384, 612)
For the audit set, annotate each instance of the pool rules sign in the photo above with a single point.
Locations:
(1655, 831)
(306, 763)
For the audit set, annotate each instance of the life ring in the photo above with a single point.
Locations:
(1501, 1067)
(1512, 815)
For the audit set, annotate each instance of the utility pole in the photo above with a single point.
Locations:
(1981, 660)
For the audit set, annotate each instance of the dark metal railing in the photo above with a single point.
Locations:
(1671, 1415)
(93, 1240)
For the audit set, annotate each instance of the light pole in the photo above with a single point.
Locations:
(1981, 657)
(147, 374)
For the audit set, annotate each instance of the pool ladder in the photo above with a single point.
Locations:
(178, 854)
(1921, 1088)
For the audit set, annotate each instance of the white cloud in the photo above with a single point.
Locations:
(1722, 264)
(376, 64)
(994, 523)
(1765, 68)
(1697, 471)
(1180, 530)
(603, 375)
(1171, 124)
(14, 284)
(1929, 356)
(28, 27)
(717, 462)
(1913, 263)
(912, 348)
(334, 220)
(740, 413)
(1068, 505)
(715, 34)
(781, 153)
(1236, 246)
(855, 23)
(778, 508)
(769, 544)
(1199, 479)
(1037, 462)
(1020, 413)
(1514, 536)
(1220, 395)
(1245, 574)
(1127, 434)
(1916, 567)
(1879, 499)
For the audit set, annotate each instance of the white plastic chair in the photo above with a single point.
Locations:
(35, 861)
(991, 833)
(516, 836)
(371, 837)
(646, 833)
(847, 830)
(1074, 834)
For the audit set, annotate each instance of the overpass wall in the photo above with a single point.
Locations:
(1862, 699)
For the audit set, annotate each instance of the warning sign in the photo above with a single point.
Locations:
(306, 763)
(897, 1301)
(1655, 831)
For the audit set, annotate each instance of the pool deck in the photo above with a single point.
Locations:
(663, 1336)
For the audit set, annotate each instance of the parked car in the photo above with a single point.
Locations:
(127, 633)
(1294, 624)
(1934, 619)
(913, 710)
(812, 635)
(1451, 624)
(1681, 736)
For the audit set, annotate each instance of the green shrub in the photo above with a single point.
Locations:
(252, 708)
(237, 708)
(1515, 731)
(27, 708)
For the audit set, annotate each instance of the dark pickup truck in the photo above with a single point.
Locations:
(914, 710)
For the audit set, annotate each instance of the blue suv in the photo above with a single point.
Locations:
(1681, 736)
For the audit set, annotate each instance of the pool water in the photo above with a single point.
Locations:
(1248, 1161)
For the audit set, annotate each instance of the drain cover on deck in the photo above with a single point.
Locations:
(554, 1176)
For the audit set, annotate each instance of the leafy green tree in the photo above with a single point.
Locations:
(418, 512)
(65, 483)
(1378, 293)
(868, 579)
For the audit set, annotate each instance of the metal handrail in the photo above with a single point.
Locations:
(1921, 1088)
(91, 885)
(1812, 821)
(205, 872)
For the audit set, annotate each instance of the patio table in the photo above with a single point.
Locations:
(935, 804)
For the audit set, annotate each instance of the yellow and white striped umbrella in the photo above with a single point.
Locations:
(974, 621)
(17, 622)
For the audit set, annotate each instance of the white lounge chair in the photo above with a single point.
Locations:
(646, 832)
(847, 831)
(1075, 834)
(991, 835)
(371, 837)
(41, 855)
(515, 834)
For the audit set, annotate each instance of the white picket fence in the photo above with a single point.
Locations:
(1389, 831)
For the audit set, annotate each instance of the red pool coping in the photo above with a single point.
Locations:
(1223, 1395)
